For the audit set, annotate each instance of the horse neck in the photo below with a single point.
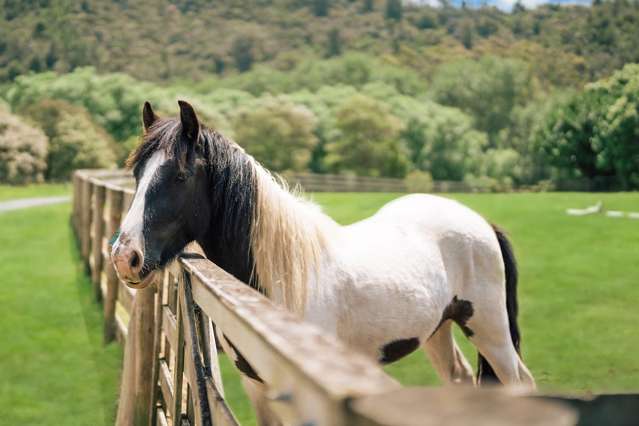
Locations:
(227, 240)
(288, 240)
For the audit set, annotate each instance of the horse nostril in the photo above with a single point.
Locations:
(135, 260)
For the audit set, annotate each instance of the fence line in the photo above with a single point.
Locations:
(171, 373)
(314, 182)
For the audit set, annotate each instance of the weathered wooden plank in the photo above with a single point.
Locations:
(220, 411)
(210, 354)
(125, 296)
(169, 326)
(112, 215)
(97, 232)
(166, 387)
(85, 221)
(194, 367)
(157, 345)
(458, 406)
(121, 322)
(316, 371)
(178, 370)
(161, 418)
(136, 388)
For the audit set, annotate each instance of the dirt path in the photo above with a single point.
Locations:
(24, 203)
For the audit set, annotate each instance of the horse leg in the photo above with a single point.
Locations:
(449, 361)
(491, 336)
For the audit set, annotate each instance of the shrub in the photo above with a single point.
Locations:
(594, 134)
(488, 90)
(503, 165)
(75, 142)
(23, 150)
(277, 133)
(418, 181)
(368, 140)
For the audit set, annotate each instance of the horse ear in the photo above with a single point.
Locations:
(148, 116)
(190, 123)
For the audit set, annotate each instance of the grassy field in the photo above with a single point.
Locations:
(9, 192)
(54, 367)
(578, 295)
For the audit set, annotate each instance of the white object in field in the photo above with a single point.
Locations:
(633, 215)
(588, 210)
(614, 213)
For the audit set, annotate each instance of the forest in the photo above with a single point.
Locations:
(532, 98)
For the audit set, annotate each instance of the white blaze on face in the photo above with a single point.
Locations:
(133, 224)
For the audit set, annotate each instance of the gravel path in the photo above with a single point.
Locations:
(24, 203)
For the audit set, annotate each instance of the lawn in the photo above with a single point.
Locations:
(10, 192)
(54, 367)
(578, 296)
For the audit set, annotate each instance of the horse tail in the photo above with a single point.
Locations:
(485, 373)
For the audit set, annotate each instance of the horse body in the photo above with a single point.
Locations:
(385, 285)
(391, 276)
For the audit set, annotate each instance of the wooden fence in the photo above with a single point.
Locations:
(171, 374)
(312, 182)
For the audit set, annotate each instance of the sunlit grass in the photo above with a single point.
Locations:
(11, 192)
(53, 365)
(578, 296)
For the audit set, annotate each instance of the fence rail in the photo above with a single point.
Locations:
(313, 182)
(171, 374)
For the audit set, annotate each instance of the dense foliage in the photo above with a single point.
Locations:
(480, 96)
(190, 39)
(23, 150)
(75, 142)
(596, 133)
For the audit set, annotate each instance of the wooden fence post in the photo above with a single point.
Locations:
(76, 202)
(97, 233)
(136, 389)
(112, 214)
(85, 230)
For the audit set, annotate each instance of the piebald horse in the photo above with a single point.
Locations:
(386, 285)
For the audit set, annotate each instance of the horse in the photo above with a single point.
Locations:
(385, 285)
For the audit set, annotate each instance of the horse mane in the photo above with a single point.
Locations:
(280, 235)
(288, 238)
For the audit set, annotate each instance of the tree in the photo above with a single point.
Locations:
(393, 10)
(334, 43)
(594, 134)
(23, 150)
(488, 89)
(447, 146)
(467, 36)
(75, 142)
(277, 133)
(367, 142)
(242, 51)
(321, 7)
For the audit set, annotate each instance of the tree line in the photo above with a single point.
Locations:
(488, 122)
(190, 39)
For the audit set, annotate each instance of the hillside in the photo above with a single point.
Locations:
(192, 39)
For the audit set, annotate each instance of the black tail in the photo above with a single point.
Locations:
(485, 373)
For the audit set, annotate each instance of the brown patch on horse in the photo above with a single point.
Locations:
(398, 349)
(460, 311)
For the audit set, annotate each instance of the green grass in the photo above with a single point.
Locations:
(54, 367)
(578, 299)
(11, 192)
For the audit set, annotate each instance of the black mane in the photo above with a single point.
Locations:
(231, 188)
